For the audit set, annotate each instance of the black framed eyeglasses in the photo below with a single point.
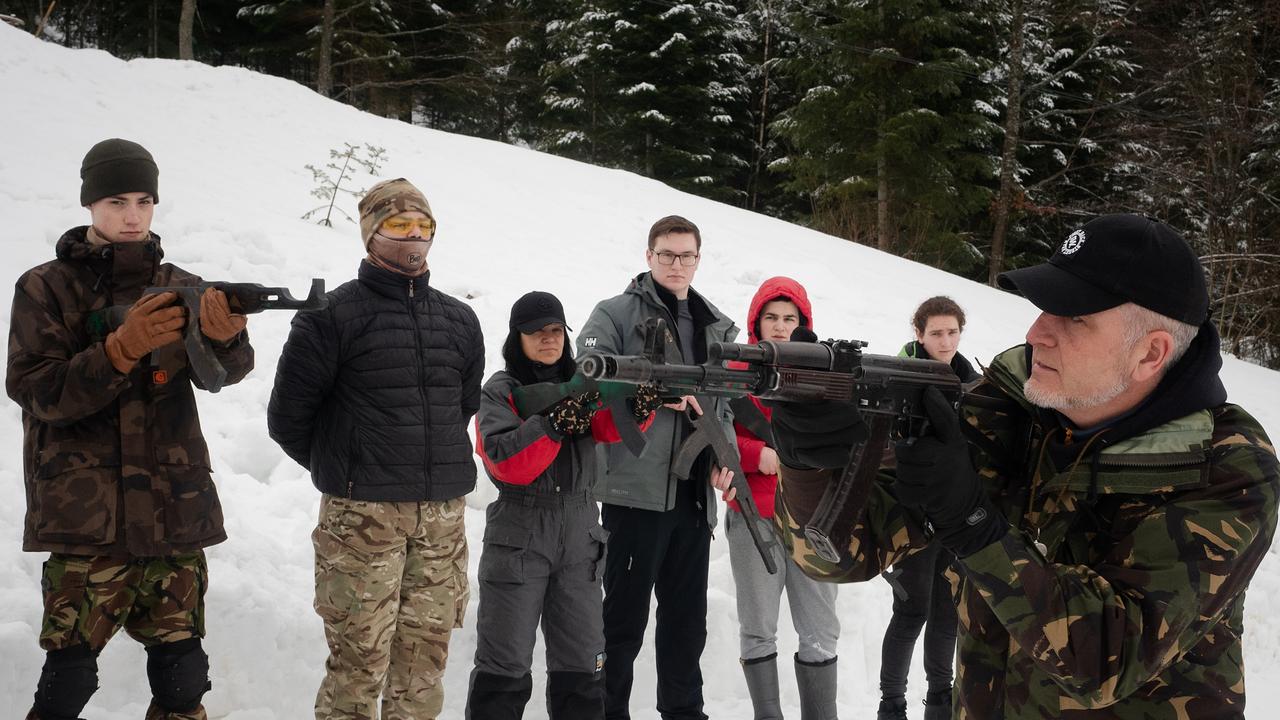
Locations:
(669, 258)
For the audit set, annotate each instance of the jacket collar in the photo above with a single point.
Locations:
(124, 268)
(1191, 387)
(393, 284)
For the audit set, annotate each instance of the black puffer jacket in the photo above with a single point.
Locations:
(373, 394)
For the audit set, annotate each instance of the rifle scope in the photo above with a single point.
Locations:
(811, 356)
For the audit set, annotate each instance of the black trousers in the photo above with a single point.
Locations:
(927, 604)
(662, 554)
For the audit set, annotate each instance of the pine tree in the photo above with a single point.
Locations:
(657, 88)
(889, 139)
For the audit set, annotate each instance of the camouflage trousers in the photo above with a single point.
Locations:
(155, 600)
(391, 585)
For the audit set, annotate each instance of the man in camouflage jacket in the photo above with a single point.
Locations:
(1106, 505)
(117, 472)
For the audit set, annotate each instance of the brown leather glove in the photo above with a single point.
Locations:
(152, 322)
(572, 415)
(217, 322)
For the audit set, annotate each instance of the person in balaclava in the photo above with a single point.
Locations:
(372, 396)
(119, 488)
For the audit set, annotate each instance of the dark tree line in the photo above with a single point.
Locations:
(969, 134)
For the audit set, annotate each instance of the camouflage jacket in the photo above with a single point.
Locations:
(114, 464)
(1118, 590)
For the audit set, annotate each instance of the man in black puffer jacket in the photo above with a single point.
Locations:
(373, 395)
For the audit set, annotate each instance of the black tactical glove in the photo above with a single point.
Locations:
(645, 401)
(817, 435)
(572, 415)
(936, 477)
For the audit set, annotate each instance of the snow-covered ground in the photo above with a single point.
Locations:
(231, 146)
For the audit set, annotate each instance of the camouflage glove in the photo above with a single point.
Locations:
(646, 401)
(151, 322)
(935, 475)
(572, 415)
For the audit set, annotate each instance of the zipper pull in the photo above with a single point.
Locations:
(410, 288)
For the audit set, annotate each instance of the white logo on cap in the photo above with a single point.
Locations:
(1073, 242)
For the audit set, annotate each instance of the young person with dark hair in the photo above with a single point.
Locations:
(119, 487)
(660, 526)
(544, 549)
(780, 306)
(921, 593)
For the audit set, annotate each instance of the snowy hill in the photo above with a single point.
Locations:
(231, 146)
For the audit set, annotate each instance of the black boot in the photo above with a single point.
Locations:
(894, 708)
(497, 697)
(817, 682)
(937, 705)
(575, 695)
(762, 685)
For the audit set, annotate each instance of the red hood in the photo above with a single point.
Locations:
(772, 289)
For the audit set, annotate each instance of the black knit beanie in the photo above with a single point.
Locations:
(116, 166)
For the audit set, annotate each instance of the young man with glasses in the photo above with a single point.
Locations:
(660, 527)
(373, 395)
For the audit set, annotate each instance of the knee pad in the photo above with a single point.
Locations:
(179, 674)
(68, 680)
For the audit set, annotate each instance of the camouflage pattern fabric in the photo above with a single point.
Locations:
(391, 585)
(1128, 607)
(114, 464)
(386, 200)
(155, 600)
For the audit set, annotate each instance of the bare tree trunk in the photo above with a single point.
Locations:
(324, 65)
(757, 169)
(884, 241)
(155, 28)
(1009, 153)
(186, 23)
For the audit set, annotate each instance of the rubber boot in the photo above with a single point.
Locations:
(575, 695)
(937, 705)
(498, 697)
(762, 685)
(817, 683)
(894, 708)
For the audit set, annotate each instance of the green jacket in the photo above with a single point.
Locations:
(616, 326)
(1134, 607)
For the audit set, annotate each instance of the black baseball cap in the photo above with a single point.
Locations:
(1114, 259)
(535, 310)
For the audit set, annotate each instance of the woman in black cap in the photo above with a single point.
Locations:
(543, 556)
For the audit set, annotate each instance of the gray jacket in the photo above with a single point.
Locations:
(616, 326)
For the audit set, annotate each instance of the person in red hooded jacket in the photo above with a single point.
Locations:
(779, 306)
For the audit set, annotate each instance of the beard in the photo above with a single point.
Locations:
(1117, 382)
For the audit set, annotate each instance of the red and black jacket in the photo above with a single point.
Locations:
(764, 487)
(529, 452)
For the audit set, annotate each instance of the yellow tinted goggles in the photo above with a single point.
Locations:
(400, 226)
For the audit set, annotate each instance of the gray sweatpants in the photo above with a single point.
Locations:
(813, 603)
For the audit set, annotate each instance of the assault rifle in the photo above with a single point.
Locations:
(538, 398)
(886, 390)
(242, 298)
